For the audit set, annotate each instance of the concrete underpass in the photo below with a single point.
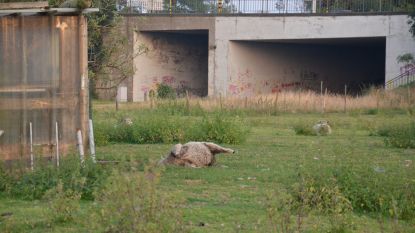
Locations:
(263, 67)
(253, 55)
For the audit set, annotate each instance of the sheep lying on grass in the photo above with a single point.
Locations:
(194, 154)
(322, 128)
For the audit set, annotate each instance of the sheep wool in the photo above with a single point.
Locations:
(194, 154)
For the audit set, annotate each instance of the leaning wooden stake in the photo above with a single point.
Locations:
(276, 101)
(80, 146)
(345, 97)
(31, 146)
(187, 102)
(321, 96)
(324, 101)
(57, 144)
(220, 101)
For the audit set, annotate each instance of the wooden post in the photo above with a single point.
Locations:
(91, 141)
(83, 72)
(324, 101)
(80, 145)
(246, 102)
(377, 99)
(345, 97)
(31, 146)
(220, 101)
(24, 83)
(321, 96)
(276, 101)
(57, 144)
(284, 104)
(187, 102)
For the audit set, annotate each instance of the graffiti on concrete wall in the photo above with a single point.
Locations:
(181, 86)
(245, 83)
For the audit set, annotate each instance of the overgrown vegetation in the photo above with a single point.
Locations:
(30, 185)
(304, 128)
(132, 202)
(159, 129)
(402, 136)
(278, 181)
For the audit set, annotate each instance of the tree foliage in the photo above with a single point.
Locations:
(411, 22)
(111, 55)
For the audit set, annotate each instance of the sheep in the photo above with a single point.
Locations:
(322, 128)
(194, 154)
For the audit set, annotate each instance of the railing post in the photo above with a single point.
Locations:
(220, 5)
(170, 9)
(314, 10)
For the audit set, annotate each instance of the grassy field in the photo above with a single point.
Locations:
(239, 193)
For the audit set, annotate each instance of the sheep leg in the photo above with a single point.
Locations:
(215, 149)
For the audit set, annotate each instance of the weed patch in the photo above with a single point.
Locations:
(32, 185)
(158, 129)
(133, 202)
(402, 136)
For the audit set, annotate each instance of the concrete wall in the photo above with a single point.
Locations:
(226, 57)
(267, 67)
(179, 60)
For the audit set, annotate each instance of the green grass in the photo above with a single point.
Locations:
(231, 196)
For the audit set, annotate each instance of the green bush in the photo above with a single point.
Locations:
(165, 92)
(63, 205)
(34, 184)
(101, 135)
(159, 129)
(362, 188)
(218, 129)
(402, 136)
(302, 128)
(133, 202)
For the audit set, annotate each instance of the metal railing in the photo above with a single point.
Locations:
(262, 6)
(407, 77)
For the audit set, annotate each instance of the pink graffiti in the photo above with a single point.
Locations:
(168, 79)
(145, 89)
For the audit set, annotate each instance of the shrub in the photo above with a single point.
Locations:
(322, 195)
(165, 92)
(62, 204)
(219, 129)
(5, 179)
(402, 136)
(34, 184)
(159, 129)
(373, 190)
(101, 135)
(133, 202)
(302, 128)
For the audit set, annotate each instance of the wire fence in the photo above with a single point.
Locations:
(262, 6)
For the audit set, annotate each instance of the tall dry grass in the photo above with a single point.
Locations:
(294, 101)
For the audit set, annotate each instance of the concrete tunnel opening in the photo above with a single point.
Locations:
(177, 58)
(264, 67)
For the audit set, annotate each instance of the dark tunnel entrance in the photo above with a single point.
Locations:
(278, 65)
